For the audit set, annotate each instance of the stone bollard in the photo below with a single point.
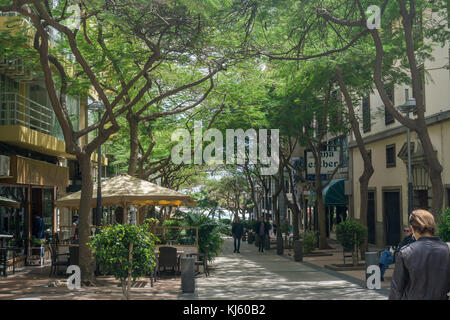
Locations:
(187, 275)
(298, 251)
(373, 275)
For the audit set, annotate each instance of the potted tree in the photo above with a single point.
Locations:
(125, 251)
(351, 234)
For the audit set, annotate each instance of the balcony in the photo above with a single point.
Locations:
(28, 124)
(16, 109)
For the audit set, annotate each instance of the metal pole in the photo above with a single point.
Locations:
(99, 183)
(410, 187)
(408, 140)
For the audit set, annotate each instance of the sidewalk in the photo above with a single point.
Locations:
(250, 275)
(337, 258)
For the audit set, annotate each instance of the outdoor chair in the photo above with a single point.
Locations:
(204, 261)
(168, 258)
(56, 261)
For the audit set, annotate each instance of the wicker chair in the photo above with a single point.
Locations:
(55, 261)
(168, 258)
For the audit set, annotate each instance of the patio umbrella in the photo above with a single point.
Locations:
(125, 190)
(5, 202)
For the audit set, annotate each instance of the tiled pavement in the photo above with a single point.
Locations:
(246, 276)
(251, 275)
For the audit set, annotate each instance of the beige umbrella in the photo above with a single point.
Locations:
(125, 190)
(5, 202)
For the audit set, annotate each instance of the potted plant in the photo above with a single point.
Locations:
(351, 234)
(125, 251)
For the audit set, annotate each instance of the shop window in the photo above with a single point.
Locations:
(390, 156)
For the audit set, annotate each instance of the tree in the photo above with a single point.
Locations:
(125, 251)
(412, 32)
(305, 109)
(140, 31)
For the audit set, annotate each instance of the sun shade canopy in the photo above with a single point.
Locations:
(127, 190)
(5, 202)
(333, 194)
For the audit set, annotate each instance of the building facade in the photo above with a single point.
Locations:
(385, 139)
(35, 169)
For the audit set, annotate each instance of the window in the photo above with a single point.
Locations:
(370, 155)
(366, 114)
(388, 118)
(390, 156)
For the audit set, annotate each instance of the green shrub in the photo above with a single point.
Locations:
(172, 234)
(309, 241)
(111, 248)
(225, 221)
(209, 232)
(350, 232)
(443, 225)
(284, 228)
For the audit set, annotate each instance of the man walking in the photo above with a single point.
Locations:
(262, 229)
(237, 230)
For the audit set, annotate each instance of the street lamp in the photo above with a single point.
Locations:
(407, 107)
(99, 107)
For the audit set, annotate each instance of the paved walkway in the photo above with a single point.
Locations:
(251, 275)
(246, 276)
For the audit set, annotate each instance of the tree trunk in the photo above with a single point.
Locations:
(134, 144)
(368, 168)
(323, 242)
(86, 261)
(435, 171)
(130, 267)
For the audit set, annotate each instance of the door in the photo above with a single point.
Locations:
(392, 217)
(371, 217)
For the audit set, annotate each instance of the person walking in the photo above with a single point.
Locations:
(422, 268)
(237, 229)
(262, 229)
(388, 256)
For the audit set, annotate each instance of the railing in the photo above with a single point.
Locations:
(16, 109)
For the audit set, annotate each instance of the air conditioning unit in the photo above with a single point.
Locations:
(4, 166)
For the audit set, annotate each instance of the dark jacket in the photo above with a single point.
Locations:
(266, 227)
(422, 271)
(409, 239)
(237, 229)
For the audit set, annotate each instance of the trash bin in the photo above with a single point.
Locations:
(298, 251)
(187, 275)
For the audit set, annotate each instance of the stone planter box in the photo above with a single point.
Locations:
(346, 267)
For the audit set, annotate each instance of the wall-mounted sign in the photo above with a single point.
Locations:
(329, 162)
